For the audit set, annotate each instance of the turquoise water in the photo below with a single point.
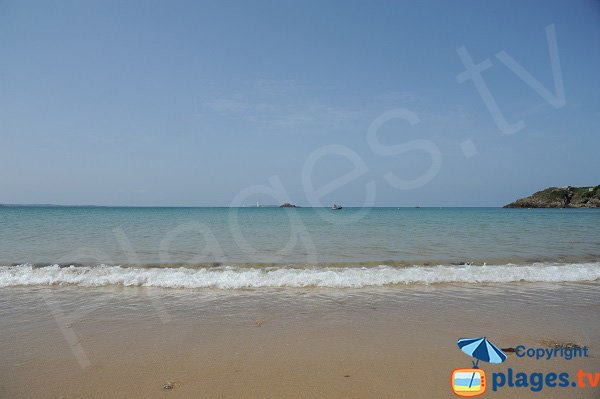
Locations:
(89, 235)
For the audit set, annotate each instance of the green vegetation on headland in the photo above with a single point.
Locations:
(564, 197)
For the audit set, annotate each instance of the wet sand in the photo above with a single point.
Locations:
(394, 342)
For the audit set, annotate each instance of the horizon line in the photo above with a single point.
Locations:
(42, 205)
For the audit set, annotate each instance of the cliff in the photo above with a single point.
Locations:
(565, 197)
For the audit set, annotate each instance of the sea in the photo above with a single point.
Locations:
(252, 248)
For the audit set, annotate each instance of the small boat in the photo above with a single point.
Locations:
(336, 207)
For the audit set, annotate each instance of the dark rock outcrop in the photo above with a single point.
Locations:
(564, 197)
(288, 205)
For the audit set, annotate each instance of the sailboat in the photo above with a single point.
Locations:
(336, 207)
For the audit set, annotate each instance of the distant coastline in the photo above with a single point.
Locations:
(552, 197)
(561, 197)
(51, 206)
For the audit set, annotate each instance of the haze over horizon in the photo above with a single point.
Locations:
(197, 103)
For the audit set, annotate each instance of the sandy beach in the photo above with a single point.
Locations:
(395, 342)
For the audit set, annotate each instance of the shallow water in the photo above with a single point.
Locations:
(305, 235)
(271, 247)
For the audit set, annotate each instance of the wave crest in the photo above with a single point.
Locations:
(233, 277)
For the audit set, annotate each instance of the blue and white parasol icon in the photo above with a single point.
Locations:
(481, 349)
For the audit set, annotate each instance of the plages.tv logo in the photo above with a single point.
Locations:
(468, 382)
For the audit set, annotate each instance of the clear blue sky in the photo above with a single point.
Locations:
(191, 102)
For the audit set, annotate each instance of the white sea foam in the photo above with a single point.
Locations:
(339, 277)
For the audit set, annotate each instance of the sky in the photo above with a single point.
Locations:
(213, 103)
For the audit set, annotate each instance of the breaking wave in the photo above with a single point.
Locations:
(239, 277)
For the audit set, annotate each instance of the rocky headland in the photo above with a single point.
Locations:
(561, 197)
